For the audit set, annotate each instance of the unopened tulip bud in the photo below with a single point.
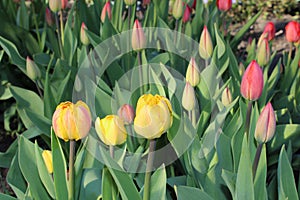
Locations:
(226, 97)
(47, 157)
(266, 125)
(193, 73)
(126, 113)
(187, 14)
(106, 11)
(188, 97)
(292, 31)
(205, 46)
(83, 36)
(241, 68)
(177, 10)
(55, 5)
(49, 17)
(270, 31)
(32, 70)
(249, 44)
(263, 52)
(138, 39)
(64, 4)
(146, 2)
(130, 2)
(252, 82)
(224, 5)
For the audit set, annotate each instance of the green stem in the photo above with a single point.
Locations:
(36, 25)
(176, 31)
(111, 151)
(290, 54)
(71, 169)
(248, 117)
(139, 56)
(62, 27)
(59, 37)
(129, 17)
(256, 159)
(38, 89)
(149, 169)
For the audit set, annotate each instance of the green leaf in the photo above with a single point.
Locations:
(59, 168)
(91, 184)
(260, 180)
(244, 180)
(230, 179)
(158, 184)
(109, 190)
(6, 197)
(286, 180)
(191, 193)
(220, 42)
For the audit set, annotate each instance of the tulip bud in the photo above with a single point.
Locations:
(249, 44)
(138, 39)
(32, 70)
(226, 97)
(193, 73)
(241, 68)
(83, 36)
(194, 4)
(266, 125)
(187, 14)
(170, 10)
(177, 9)
(146, 2)
(106, 11)
(153, 116)
(270, 31)
(292, 31)
(47, 157)
(205, 46)
(252, 82)
(111, 130)
(64, 4)
(224, 5)
(263, 53)
(49, 17)
(72, 121)
(188, 97)
(55, 5)
(130, 2)
(126, 113)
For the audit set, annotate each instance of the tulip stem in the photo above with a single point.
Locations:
(248, 117)
(129, 18)
(139, 56)
(206, 63)
(59, 36)
(149, 169)
(290, 54)
(38, 89)
(71, 169)
(61, 27)
(111, 151)
(176, 31)
(256, 159)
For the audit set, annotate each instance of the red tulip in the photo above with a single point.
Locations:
(224, 5)
(64, 4)
(270, 30)
(49, 17)
(292, 31)
(252, 82)
(194, 4)
(187, 14)
(106, 11)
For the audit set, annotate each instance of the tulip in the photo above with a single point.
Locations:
(270, 30)
(193, 73)
(241, 69)
(47, 157)
(188, 97)
(55, 5)
(226, 97)
(205, 46)
(72, 121)
(106, 11)
(249, 44)
(111, 130)
(126, 113)
(83, 36)
(138, 39)
(263, 52)
(224, 5)
(292, 31)
(32, 70)
(146, 2)
(194, 4)
(153, 116)
(49, 17)
(187, 14)
(177, 9)
(130, 2)
(64, 4)
(252, 82)
(266, 125)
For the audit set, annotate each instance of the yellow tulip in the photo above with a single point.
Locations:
(47, 156)
(153, 116)
(111, 130)
(72, 121)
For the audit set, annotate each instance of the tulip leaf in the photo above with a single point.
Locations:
(230, 179)
(244, 180)
(90, 184)
(109, 190)
(27, 155)
(158, 184)
(59, 168)
(220, 42)
(286, 180)
(191, 193)
(6, 197)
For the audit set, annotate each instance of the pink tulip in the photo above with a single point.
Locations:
(224, 5)
(106, 11)
(49, 17)
(292, 31)
(126, 113)
(187, 14)
(270, 30)
(83, 36)
(64, 4)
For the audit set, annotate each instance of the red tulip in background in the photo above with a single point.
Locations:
(270, 31)
(106, 11)
(292, 31)
(64, 4)
(187, 14)
(252, 82)
(224, 5)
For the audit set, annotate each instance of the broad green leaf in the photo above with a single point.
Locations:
(91, 186)
(260, 179)
(158, 184)
(109, 190)
(6, 197)
(191, 193)
(230, 179)
(220, 42)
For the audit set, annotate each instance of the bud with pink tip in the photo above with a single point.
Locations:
(138, 39)
(106, 11)
(193, 73)
(226, 97)
(83, 36)
(205, 45)
(263, 52)
(126, 113)
(49, 17)
(187, 14)
(64, 4)
(188, 97)
(177, 10)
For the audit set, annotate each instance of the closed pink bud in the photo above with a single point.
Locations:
(187, 14)
(266, 125)
(64, 4)
(49, 17)
(177, 10)
(270, 30)
(55, 5)
(83, 37)
(292, 31)
(205, 45)
(188, 97)
(252, 82)
(224, 5)
(193, 73)
(138, 39)
(263, 52)
(106, 11)
(126, 113)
